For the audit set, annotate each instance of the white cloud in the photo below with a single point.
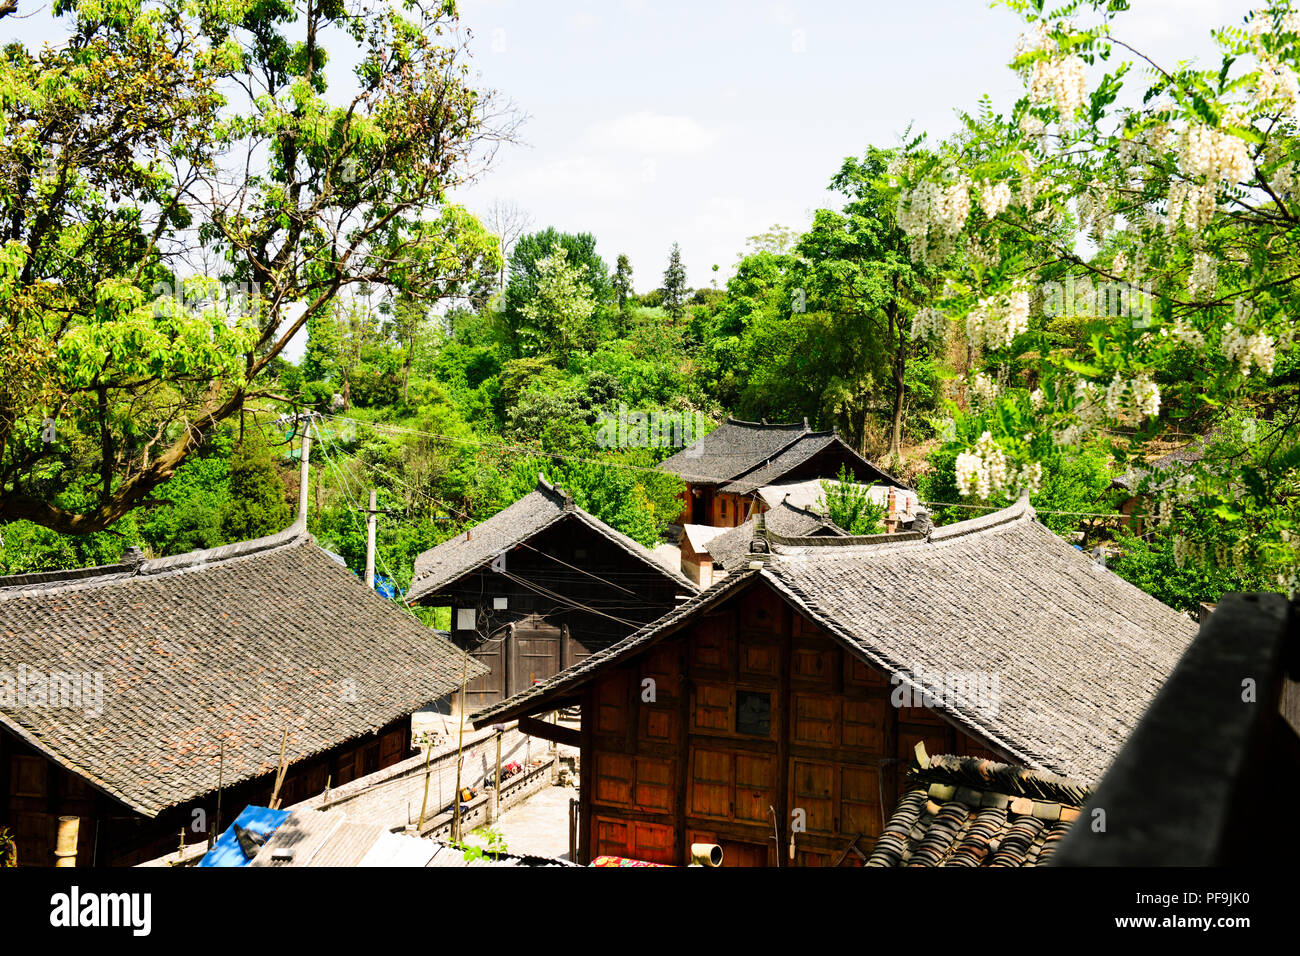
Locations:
(654, 133)
(577, 177)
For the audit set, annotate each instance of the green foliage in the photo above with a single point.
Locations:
(8, 849)
(847, 504)
(1149, 562)
(483, 843)
(256, 504)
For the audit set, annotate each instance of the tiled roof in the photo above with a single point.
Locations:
(232, 644)
(547, 505)
(742, 457)
(965, 811)
(732, 449)
(1077, 652)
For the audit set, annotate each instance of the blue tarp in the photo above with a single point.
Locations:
(227, 852)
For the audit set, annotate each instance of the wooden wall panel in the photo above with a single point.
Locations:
(654, 785)
(613, 775)
(611, 703)
(865, 723)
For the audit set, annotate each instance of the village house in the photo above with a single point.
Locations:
(540, 586)
(710, 553)
(777, 712)
(725, 469)
(149, 697)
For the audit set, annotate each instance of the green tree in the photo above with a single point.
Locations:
(847, 504)
(675, 283)
(525, 273)
(558, 315)
(623, 282)
(151, 132)
(255, 505)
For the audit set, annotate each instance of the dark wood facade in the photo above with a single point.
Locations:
(722, 731)
(599, 593)
(35, 791)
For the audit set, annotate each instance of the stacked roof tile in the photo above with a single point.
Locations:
(965, 811)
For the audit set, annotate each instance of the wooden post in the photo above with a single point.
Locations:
(498, 778)
(302, 475)
(428, 754)
(221, 772)
(65, 847)
(460, 751)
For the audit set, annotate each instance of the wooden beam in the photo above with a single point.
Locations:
(556, 733)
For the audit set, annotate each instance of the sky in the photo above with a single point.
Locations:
(651, 122)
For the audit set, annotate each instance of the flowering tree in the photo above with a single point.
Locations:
(1161, 223)
(559, 313)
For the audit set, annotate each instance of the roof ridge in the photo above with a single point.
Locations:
(979, 773)
(766, 424)
(46, 581)
(1020, 511)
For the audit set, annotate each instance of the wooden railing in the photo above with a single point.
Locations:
(1207, 776)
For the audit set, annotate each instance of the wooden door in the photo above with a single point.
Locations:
(538, 653)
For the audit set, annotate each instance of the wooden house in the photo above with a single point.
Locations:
(725, 469)
(540, 586)
(777, 712)
(142, 696)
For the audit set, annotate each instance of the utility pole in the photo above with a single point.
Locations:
(302, 477)
(370, 542)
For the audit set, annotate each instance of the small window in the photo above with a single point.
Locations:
(499, 604)
(465, 619)
(753, 713)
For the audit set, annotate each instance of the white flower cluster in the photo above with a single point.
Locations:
(1037, 40)
(1283, 180)
(929, 324)
(1032, 126)
(994, 198)
(1217, 155)
(1093, 205)
(1204, 277)
(1255, 349)
(998, 319)
(1184, 333)
(983, 471)
(929, 207)
(984, 389)
(1060, 81)
(1129, 401)
(1191, 204)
